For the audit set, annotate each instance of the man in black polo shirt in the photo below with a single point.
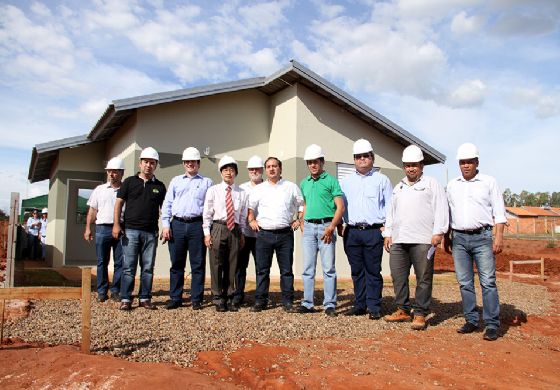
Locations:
(143, 196)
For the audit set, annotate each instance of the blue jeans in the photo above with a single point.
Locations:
(187, 237)
(139, 246)
(312, 244)
(104, 242)
(364, 249)
(477, 247)
(283, 244)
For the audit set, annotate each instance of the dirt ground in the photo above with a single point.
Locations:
(528, 357)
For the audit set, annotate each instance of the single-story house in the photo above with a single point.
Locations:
(278, 115)
(533, 220)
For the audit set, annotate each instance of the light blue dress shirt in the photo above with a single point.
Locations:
(184, 198)
(366, 197)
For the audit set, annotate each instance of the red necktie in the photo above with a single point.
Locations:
(229, 209)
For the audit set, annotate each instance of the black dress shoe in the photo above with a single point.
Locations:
(221, 307)
(330, 312)
(289, 308)
(490, 334)
(375, 316)
(355, 312)
(467, 328)
(305, 310)
(257, 308)
(197, 305)
(233, 306)
(148, 305)
(101, 298)
(173, 305)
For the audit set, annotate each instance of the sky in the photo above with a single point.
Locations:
(448, 71)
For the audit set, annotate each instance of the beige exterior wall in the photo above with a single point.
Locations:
(84, 162)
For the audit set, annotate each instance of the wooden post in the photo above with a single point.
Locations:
(511, 271)
(86, 309)
(542, 268)
(3, 302)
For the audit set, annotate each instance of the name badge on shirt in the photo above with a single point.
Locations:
(155, 190)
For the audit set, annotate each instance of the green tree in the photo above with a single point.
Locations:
(507, 197)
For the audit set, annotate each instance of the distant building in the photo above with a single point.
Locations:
(533, 220)
(278, 115)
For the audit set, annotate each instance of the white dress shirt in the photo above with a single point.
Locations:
(276, 204)
(248, 188)
(215, 206)
(103, 200)
(417, 212)
(475, 203)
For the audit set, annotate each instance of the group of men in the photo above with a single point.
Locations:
(259, 217)
(37, 234)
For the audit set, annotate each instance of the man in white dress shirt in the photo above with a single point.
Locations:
(416, 222)
(223, 220)
(275, 211)
(476, 205)
(101, 212)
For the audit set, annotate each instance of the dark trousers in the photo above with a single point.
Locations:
(34, 246)
(267, 244)
(364, 249)
(187, 237)
(223, 261)
(403, 256)
(104, 242)
(242, 264)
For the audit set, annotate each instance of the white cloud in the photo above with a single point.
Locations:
(544, 105)
(462, 24)
(512, 24)
(469, 94)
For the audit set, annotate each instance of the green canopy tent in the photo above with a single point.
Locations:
(27, 205)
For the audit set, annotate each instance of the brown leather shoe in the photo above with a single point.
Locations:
(419, 323)
(126, 306)
(398, 316)
(147, 305)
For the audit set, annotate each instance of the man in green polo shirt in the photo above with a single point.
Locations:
(322, 213)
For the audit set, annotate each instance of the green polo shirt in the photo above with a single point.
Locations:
(319, 196)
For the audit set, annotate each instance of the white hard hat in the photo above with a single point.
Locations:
(191, 154)
(115, 163)
(412, 154)
(45, 211)
(313, 152)
(255, 162)
(149, 152)
(225, 161)
(467, 151)
(362, 146)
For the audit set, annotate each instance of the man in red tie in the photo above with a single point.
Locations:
(224, 217)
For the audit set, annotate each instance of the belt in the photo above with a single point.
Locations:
(188, 220)
(319, 220)
(220, 222)
(473, 231)
(365, 226)
(278, 231)
(104, 224)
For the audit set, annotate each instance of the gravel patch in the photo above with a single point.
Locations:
(176, 336)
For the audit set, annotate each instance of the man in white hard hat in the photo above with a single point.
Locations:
(101, 212)
(143, 195)
(367, 194)
(275, 211)
(43, 231)
(255, 169)
(224, 218)
(323, 208)
(181, 219)
(416, 222)
(476, 205)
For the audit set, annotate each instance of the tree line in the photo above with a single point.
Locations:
(536, 199)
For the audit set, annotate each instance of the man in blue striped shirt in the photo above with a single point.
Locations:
(367, 194)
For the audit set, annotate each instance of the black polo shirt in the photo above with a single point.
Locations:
(143, 201)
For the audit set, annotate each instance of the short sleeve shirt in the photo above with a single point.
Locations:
(143, 201)
(319, 196)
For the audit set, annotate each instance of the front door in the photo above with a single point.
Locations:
(77, 250)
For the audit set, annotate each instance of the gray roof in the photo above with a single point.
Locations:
(44, 155)
(118, 112)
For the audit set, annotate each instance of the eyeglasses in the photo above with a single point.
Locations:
(363, 155)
